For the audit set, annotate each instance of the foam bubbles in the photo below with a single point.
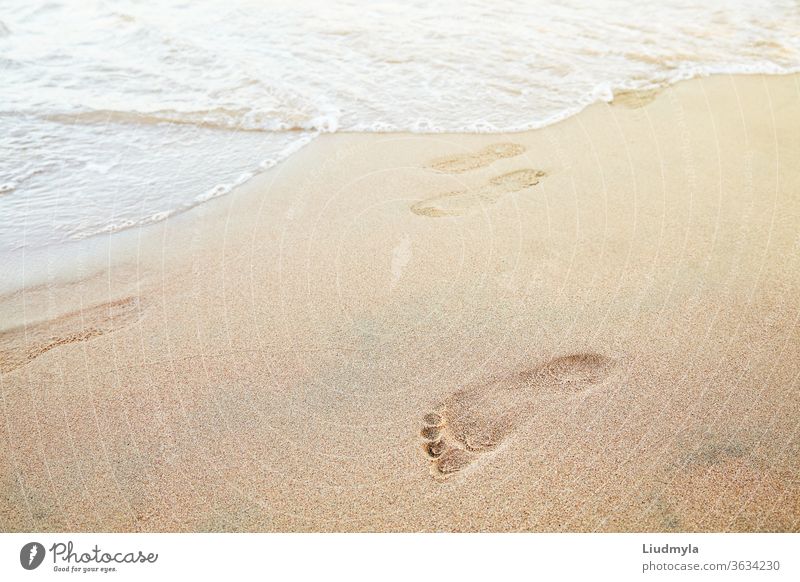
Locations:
(136, 113)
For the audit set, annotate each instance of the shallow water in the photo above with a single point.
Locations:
(121, 113)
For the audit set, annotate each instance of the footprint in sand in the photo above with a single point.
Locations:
(480, 159)
(463, 201)
(635, 99)
(475, 420)
(21, 345)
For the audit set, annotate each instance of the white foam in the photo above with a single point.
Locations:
(139, 112)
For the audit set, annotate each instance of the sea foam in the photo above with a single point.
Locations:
(133, 113)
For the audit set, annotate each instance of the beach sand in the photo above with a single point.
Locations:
(588, 327)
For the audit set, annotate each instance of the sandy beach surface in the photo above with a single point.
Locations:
(588, 327)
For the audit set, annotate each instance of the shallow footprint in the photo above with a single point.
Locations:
(463, 201)
(21, 345)
(480, 159)
(571, 373)
(475, 420)
(633, 99)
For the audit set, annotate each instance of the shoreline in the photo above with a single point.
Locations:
(594, 324)
(92, 248)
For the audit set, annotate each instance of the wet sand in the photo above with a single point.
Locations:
(588, 327)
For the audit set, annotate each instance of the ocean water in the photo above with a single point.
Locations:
(121, 113)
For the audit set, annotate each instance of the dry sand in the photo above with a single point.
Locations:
(589, 327)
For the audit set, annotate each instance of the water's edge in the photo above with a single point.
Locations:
(80, 259)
